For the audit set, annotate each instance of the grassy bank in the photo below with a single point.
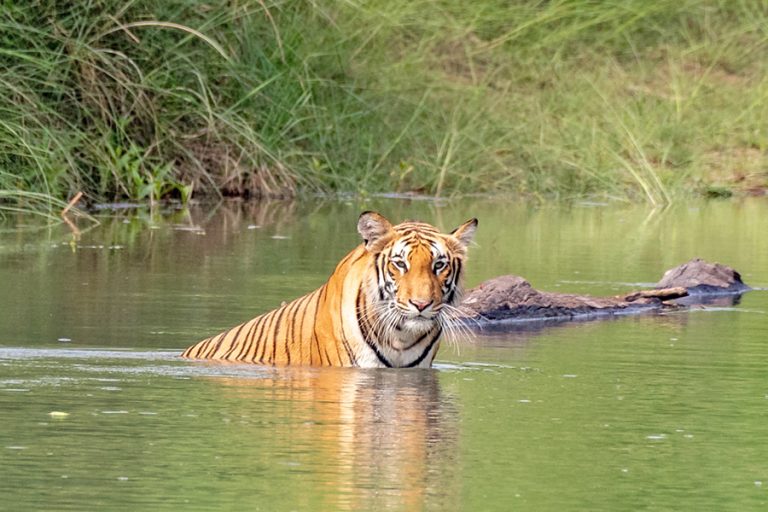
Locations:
(633, 99)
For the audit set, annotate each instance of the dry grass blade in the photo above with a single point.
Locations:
(168, 24)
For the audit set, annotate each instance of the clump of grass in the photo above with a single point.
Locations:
(572, 97)
(635, 100)
(49, 208)
(106, 97)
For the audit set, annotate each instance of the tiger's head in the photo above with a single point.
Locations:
(418, 269)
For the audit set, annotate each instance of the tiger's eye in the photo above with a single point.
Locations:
(400, 264)
(439, 265)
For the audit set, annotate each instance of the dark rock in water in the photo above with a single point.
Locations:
(700, 277)
(505, 299)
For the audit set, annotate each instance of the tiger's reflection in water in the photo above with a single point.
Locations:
(357, 439)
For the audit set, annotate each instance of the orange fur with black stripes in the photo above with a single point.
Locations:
(386, 305)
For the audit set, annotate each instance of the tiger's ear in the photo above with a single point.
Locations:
(466, 232)
(374, 229)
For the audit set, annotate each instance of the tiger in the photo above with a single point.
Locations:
(385, 305)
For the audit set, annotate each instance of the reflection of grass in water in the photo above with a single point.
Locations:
(634, 100)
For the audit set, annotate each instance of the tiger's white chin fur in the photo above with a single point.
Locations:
(412, 328)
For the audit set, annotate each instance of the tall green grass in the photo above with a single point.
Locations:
(634, 99)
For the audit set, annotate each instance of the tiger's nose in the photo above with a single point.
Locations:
(421, 305)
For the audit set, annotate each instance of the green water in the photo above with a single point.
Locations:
(641, 413)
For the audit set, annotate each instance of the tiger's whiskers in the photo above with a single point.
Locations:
(455, 326)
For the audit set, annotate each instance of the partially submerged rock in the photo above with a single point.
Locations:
(506, 299)
(700, 277)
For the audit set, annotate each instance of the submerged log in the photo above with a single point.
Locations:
(508, 299)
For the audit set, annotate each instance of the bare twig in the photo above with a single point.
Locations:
(70, 204)
(663, 294)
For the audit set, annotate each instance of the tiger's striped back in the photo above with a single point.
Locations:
(278, 337)
(385, 305)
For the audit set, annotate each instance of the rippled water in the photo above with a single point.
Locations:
(639, 413)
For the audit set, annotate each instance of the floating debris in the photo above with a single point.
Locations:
(58, 414)
(117, 206)
(192, 229)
